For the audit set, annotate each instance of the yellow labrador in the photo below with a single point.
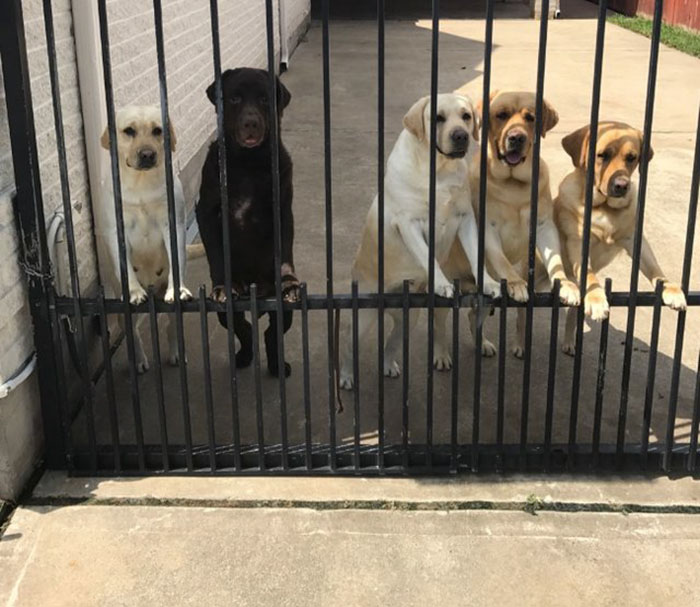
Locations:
(508, 190)
(140, 150)
(406, 197)
(613, 214)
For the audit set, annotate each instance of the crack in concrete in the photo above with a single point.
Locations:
(378, 505)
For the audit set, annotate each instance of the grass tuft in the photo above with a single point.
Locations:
(671, 35)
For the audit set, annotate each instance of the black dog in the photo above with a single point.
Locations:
(250, 206)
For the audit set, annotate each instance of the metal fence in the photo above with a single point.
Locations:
(251, 454)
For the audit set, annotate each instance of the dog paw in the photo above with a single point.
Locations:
(174, 359)
(597, 307)
(518, 351)
(673, 296)
(488, 350)
(492, 288)
(290, 288)
(569, 293)
(391, 368)
(442, 361)
(274, 369)
(445, 290)
(517, 290)
(137, 295)
(568, 348)
(218, 293)
(185, 294)
(142, 366)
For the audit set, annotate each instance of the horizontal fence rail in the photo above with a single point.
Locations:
(212, 416)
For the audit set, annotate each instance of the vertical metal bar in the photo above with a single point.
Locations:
(534, 195)
(160, 396)
(356, 371)
(277, 221)
(329, 234)
(586, 235)
(87, 390)
(639, 229)
(172, 228)
(405, 362)
(454, 429)
(431, 225)
(109, 380)
(29, 211)
(552, 374)
(693, 452)
(258, 378)
(651, 374)
(500, 399)
(307, 379)
(479, 333)
(225, 226)
(380, 231)
(121, 239)
(600, 380)
(206, 364)
(685, 285)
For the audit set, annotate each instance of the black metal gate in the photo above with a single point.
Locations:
(70, 421)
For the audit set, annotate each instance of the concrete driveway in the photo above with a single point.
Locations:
(354, 136)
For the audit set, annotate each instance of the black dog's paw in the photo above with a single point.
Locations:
(243, 358)
(290, 288)
(218, 293)
(274, 369)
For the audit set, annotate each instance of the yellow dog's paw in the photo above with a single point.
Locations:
(673, 296)
(137, 295)
(517, 290)
(569, 293)
(597, 307)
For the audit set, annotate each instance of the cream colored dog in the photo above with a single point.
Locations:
(145, 209)
(613, 215)
(508, 192)
(406, 226)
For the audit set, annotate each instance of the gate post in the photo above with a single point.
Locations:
(29, 214)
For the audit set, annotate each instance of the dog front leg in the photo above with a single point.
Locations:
(170, 292)
(596, 301)
(137, 294)
(468, 235)
(672, 294)
(517, 287)
(412, 235)
(549, 247)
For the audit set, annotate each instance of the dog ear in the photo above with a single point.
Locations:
(173, 138)
(550, 117)
(413, 121)
(641, 146)
(104, 140)
(476, 123)
(283, 96)
(576, 145)
(480, 103)
(211, 89)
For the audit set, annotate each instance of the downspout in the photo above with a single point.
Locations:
(284, 39)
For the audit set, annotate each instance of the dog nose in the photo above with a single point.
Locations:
(516, 139)
(251, 122)
(620, 185)
(147, 157)
(459, 136)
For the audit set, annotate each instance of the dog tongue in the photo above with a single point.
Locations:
(513, 157)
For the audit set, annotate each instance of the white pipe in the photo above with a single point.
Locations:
(20, 377)
(284, 38)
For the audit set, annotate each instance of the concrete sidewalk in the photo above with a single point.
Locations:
(353, 542)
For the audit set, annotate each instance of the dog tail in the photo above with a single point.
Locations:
(195, 251)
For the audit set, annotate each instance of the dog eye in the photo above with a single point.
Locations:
(235, 100)
(440, 118)
(603, 155)
(130, 132)
(157, 132)
(263, 100)
(466, 117)
(502, 115)
(630, 158)
(529, 118)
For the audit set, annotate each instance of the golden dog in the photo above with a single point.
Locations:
(618, 150)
